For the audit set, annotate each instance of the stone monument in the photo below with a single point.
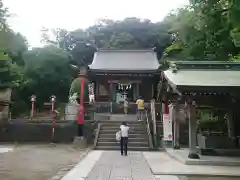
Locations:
(5, 98)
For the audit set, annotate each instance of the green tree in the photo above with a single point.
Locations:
(12, 45)
(202, 31)
(48, 72)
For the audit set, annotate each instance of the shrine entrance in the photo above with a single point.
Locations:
(124, 91)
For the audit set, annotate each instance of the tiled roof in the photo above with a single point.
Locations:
(209, 78)
(125, 60)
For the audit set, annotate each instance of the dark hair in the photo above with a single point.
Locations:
(124, 123)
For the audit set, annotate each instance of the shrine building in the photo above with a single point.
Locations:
(120, 74)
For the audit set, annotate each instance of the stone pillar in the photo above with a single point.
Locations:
(192, 131)
(176, 144)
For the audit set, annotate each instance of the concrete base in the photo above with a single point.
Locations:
(80, 142)
(176, 147)
(168, 144)
(183, 157)
(193, 156)
(162, 164)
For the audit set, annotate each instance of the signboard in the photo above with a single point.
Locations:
(167, 127)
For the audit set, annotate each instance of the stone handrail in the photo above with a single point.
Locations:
(153, 118)
(97, 135)
(149, 131)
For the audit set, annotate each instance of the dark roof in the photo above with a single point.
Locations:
(214, 74)
(125, 60)
(204, 77)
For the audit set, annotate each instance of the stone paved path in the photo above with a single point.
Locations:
(113, 166)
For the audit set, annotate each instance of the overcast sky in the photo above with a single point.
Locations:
(29, 16)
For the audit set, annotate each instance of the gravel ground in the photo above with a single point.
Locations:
(38, 162)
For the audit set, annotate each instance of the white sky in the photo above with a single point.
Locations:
(29, 16)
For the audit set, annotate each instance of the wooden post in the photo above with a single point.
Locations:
(110, 95)
(192, 131)
(152, 90)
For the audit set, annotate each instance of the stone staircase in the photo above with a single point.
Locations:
(138, 137)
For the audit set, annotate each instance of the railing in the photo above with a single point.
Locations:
(96, 135)
(149, 131)
(113, 107)
(103, 107)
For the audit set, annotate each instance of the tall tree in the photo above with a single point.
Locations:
(202, 31)
(12, 45)
(129, 33)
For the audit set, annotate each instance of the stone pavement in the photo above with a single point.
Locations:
(113, 166)
(110, 165)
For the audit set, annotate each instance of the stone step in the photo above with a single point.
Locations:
(130, 130)
(132, 144)
(115, 130)
(113, 139)
(138, 138)
(117, 127)
(120, 122)
(130, 135)
(130, 148)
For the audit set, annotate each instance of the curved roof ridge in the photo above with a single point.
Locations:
(125, 50)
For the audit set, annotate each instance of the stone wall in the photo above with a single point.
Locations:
(26, 132)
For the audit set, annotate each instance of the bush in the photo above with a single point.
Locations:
(76, 87)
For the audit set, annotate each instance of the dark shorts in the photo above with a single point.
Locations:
(140, 113)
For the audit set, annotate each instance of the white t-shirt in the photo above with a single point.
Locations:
(124, 130)
(125, 104)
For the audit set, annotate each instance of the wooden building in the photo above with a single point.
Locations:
(120, 74)
(189, 85)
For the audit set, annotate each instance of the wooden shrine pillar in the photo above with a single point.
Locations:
(192, 130)
(110, 91)
(111, 97)
(230, 124)
(137, 90)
